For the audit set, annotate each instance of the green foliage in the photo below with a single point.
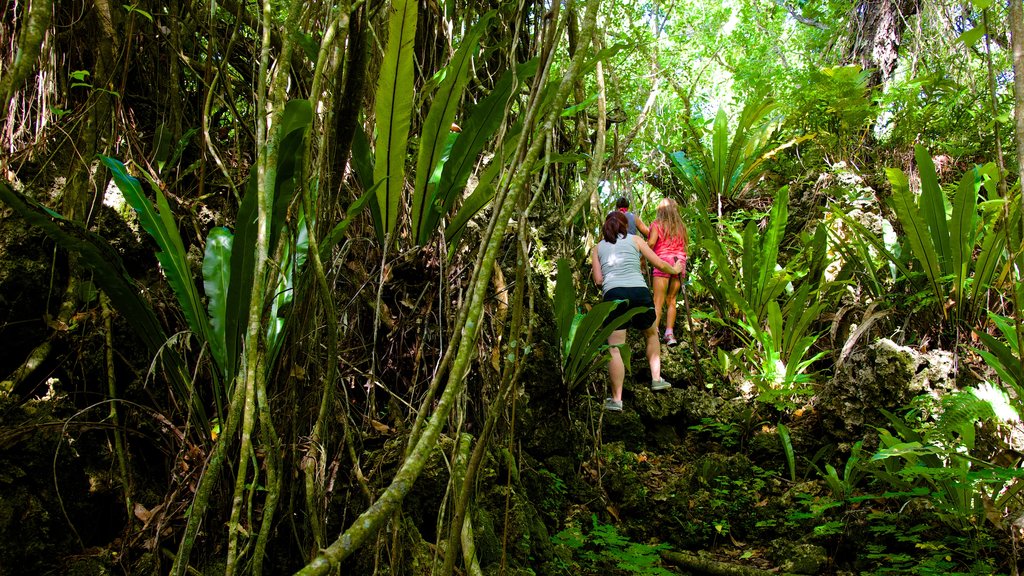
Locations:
(435, 137)
(780, 337)
(935, 454)
(835, 105)
(216, 281)
(948, 242)
(228, 259)
(337, 234)
(109, 274)
(718, 500)
(394, 104)
(477, 131)
(787, 447)
(731, 429)
(898, 546)
(758, 279)
(843, 486)
(158, 221)
(603, 547)
(783, 354)
(583, 337)
(1002, 355)
(722, 167)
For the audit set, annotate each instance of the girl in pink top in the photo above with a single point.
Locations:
(669, 240)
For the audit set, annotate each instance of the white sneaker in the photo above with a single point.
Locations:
(660, 385)
(612, 405)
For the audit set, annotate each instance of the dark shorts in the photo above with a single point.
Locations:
(634, 297)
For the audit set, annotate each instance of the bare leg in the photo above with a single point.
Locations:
(673, 292)
(653, 351)
(661, 285)
(616, 369)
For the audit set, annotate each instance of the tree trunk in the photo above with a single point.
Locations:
(876, 31)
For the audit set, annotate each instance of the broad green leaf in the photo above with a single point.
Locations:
(787, 447)
(961, 229)
(310, 47)
(604, 55)
(565, 299)
(243, 262)
(751, 270)
(297, 117)
(904, 449)
(164, 230)
(482, 194)
(216, 278)
(481, 124)
(394, 111)
(436, 129)
(362, 159)
(575, 109)
(769, 253)
(971, 37)
(986, 264)
(362, 164)
(731, 160)
(589, 341)
(916, 229)
(932, 204)
(1007, 326)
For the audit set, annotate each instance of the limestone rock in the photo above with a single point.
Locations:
(884, 375)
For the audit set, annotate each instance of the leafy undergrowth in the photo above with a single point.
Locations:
(693, 474)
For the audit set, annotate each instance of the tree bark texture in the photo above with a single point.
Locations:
(876, 31)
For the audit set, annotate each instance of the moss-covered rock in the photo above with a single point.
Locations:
(625, 427)
(621, 479)
(798, 557)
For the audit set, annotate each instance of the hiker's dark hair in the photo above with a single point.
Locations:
(615, 225)
(622, 202)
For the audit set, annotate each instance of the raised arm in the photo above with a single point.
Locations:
(595, 266)
(641, 226)
(652, 235)
(655, 260)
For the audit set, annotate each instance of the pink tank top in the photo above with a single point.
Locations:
(667, 247)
